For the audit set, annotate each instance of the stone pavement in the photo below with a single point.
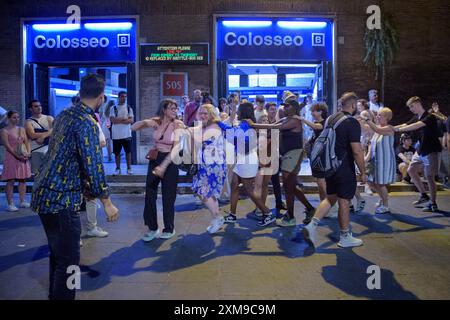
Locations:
(243, 261)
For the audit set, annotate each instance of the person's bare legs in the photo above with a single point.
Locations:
(289, 193)
(234, 196)
(9, 191)
(109, 148)
(325, 206)
(384, 194)
(265, 187)
(212, 205)
(22, 190)
(413, 171)
(403, 168)
(248, 186)
(432, 186)
(128, 158)
(321, 184)
(344, 214)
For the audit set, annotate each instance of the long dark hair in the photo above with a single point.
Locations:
(163, 105)
(246, 111)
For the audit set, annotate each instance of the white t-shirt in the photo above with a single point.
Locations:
(259, 114)
(121, 131)
(375, 106)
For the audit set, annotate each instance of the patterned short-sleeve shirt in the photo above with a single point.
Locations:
(73, 164)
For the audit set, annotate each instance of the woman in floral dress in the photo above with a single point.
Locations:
(210, 155)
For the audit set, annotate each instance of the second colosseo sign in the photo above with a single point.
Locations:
(274, 39)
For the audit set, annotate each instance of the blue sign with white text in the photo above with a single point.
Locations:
(274, 39)
(90, 41)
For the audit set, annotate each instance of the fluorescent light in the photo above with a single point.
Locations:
(65, 92)
(301, 24)
(253, 96)
(56, 27)
(109, 26)
(246, 24)
(274, 65)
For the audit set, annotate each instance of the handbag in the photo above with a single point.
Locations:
(190, 168)
(152, 154)
(21, 148)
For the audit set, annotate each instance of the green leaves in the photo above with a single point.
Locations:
(381, 46)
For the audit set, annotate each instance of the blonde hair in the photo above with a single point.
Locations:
(387, 113)
(213, 116)
(262, 117)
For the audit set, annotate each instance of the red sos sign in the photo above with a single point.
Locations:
(173, 84)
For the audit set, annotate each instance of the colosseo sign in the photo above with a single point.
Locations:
(274, 39)
(90, 41)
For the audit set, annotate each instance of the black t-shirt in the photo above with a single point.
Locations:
(429, 135)
(347, 132)
(408, 153)
(317, 132)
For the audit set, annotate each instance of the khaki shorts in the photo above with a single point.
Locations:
(430, 163)
(37, 158)
(291, 161)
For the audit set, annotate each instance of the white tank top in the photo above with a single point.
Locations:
(43, 121)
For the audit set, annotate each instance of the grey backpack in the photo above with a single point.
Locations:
(324, 162)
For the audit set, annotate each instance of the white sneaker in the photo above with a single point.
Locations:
(12, 208)
(333, 213)
(309, 233)
(216, 225)
(97, 232)
(367, 190)
(257, 212)
(118, 172)
(167, 235)
(348, 241)
(129, 172)
(382, 209)
(151, 235)
(24, 204)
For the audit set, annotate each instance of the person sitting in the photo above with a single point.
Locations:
(405, 152)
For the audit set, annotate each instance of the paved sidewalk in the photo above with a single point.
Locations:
(243, 261)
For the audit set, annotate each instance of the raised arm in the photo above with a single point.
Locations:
(147, 123)
(289, 123)
(409, 127)
(312, 125)
(385, 131)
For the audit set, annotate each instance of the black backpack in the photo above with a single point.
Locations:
(324, 161)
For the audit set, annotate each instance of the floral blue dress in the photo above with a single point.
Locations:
(212, 171)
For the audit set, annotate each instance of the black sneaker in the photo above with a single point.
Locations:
(230, 218)
(266, 220)
(281, 206)
(430, 207)
(309, 215)
(422, 199)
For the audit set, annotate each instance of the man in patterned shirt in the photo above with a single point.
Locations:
(72, 166)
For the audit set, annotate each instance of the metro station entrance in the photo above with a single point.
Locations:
(57, 55)
(268, 55)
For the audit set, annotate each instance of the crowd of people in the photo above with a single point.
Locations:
(224, 146)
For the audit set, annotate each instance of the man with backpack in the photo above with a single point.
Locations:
(38, 128)
(122, 117)
(333, 155)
